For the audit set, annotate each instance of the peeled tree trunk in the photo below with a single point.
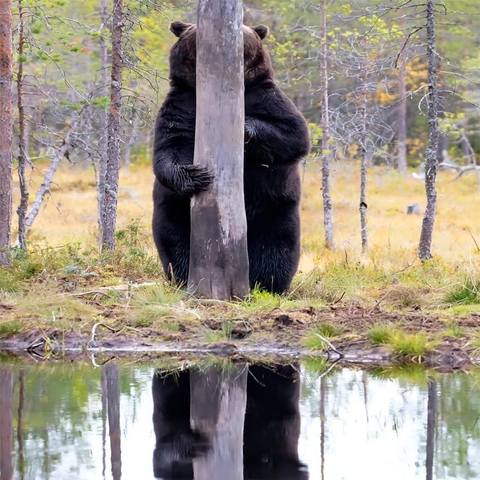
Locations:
(110, 194)
(6, 129)
(218, 243)
(431, 158)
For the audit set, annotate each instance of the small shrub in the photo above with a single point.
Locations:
(466, 294)
(413, 346)
(381, 334)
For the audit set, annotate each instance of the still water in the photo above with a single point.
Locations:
(236, 421)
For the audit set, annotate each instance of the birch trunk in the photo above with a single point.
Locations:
(22, 135)
(57, 156)
(103, 144)
(326, 187)
(364, 163)
(110, 200)
(218, 253)
(6, 129)
(402, 117)
(425, 246)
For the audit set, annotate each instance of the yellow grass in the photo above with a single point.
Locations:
(69, 214)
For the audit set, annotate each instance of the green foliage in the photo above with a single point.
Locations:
(411, 346)
(315, 339)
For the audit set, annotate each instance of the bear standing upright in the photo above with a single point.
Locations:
(276, 139)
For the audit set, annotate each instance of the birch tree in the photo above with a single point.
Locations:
(431, 158)
(110, 199)
(6, 129)
(103, 139)
(325, 124)
(22, 133)
(218, 250)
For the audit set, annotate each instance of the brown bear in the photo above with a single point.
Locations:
(276, 139)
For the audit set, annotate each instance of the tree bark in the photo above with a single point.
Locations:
(431, 164)
(402, 116)
(218, 403)
(6, 129)
(218, 253)
(6, 424)
(109, 220)
(325, 124)
(364, 159)
(431, 426)
(103, 141)
(110, 372)
(22, 132)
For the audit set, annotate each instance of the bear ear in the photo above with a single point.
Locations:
(177, 28)
(261, 31)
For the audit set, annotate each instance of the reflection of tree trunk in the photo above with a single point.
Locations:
(113, 411)
(431, 425)
(218, 402)
(21, 403)
(6, 424)
(323, 399)
(104, 420)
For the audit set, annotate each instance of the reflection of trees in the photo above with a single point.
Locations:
(431, 426)
(20, 442)
(6, 424)
(457, 448)
(110, 372)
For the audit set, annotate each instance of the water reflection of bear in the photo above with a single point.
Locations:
(271, 431)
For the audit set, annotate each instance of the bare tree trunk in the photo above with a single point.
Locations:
(325, 123)
(402, 116)
(425, 246)
(6, 424)
(131, 139)
(364, 159)
(103, 141)
(6, 129)
(113, 412)
(469, 153)
(431, 426)
(109, 220)
(22, 142)
(57, 156)
(218, 403)
(218, 253)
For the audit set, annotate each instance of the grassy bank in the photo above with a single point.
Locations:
(386, 299)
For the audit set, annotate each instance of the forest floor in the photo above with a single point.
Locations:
(377, 308)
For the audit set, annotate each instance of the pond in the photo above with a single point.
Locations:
(232, 421)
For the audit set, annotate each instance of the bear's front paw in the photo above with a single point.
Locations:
(195, 179)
